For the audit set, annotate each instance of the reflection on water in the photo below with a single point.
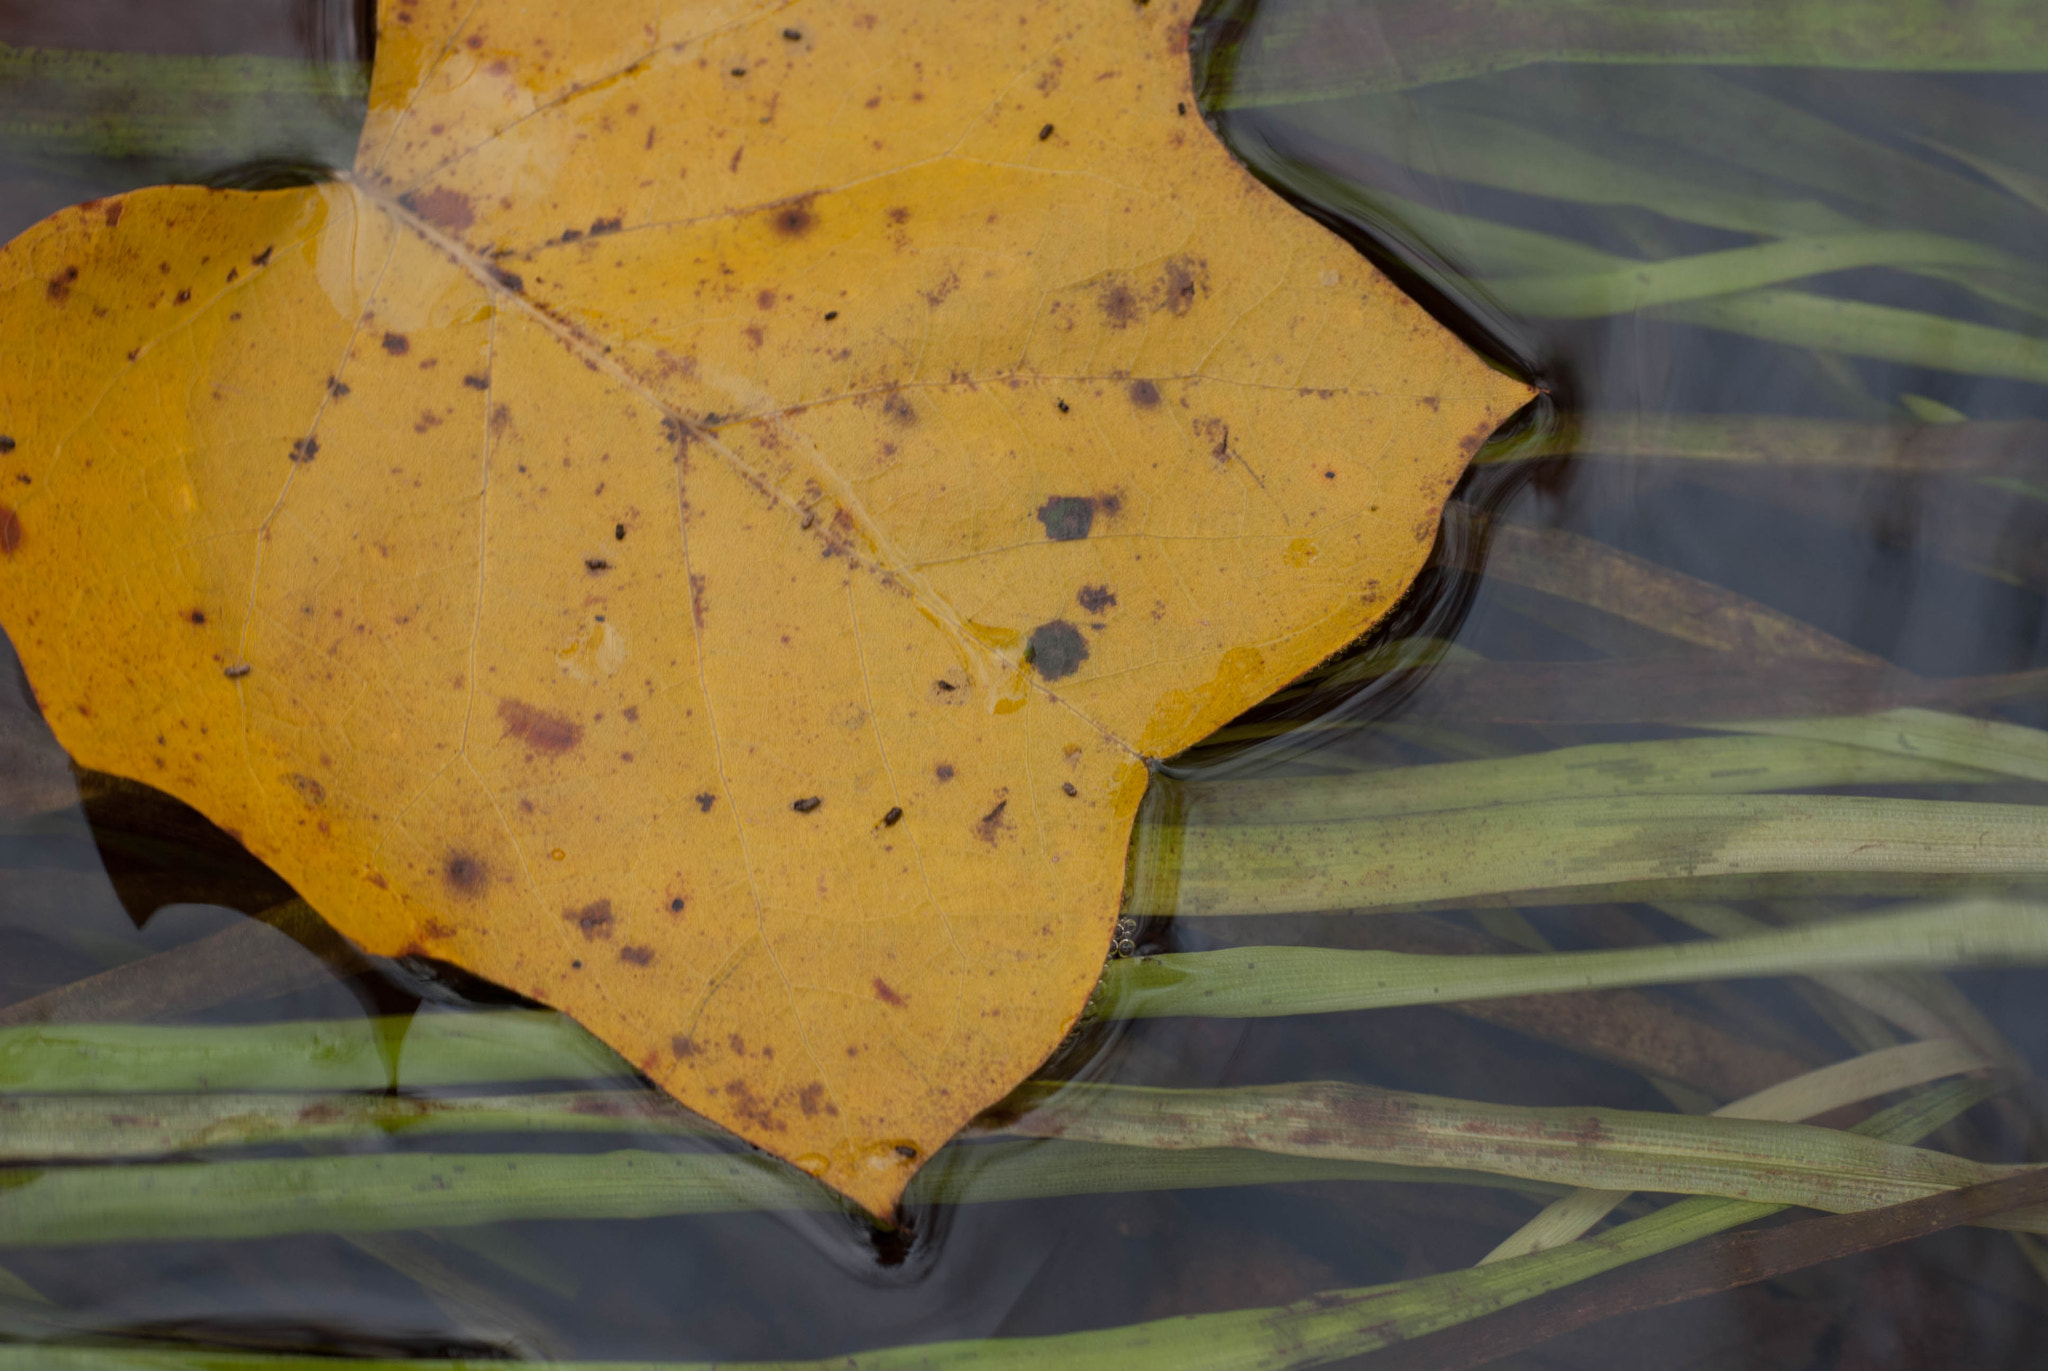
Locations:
(1755, 495)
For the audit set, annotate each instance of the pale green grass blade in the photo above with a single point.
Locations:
(1587, 844)
(1987, 745)
(1607, 1149)
(1861, 329)
(1646, 285)
(1682, 766)
(1802, 1097)
(1257, 982)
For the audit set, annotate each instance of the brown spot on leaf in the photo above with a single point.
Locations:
(684, 1047)
(10, 530)
(705, 799)
(1119, 305)
(899, 408)
(751, 1108)
(310, 790)
(397, 344)
(1144, 394)
(637, 956)
(991, 824)
(548, 732)
(794, 220)
(59, 288)
(261, 259)
(477, 382)
(463, 873)
(448, 210)
(887, 996)
(593, 921)
(1095, 599)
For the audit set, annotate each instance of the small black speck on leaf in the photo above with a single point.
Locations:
(510, 280)
(1064, 407)
(235, 672)
(619, 532)
(1068, 787)
(739, 71)
(576, 966)
(675, 906)
(1182, 107)
(793, 35)
(946, 685)
(1045, 133)
(477, 382)
(906, 1151)
(830, 315)
(6, 443)
(1329, 476)
(807, 804)
(596, 564)
(895, 813)
(306, 449)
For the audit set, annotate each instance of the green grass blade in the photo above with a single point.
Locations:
(190, 1201)
(1586, 844)
(1324, 1328)
(1772, 441)
(1735, 765)
(1861, 329)
(1803, 1097)
(1645, 285)
(1257, 982)
(1317, 49)
(44, 1128)
(339, 1054)
(1607, 1149)
(1986, 745)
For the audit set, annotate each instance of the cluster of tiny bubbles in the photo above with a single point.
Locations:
(1123, 942)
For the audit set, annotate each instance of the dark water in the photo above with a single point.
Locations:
(1940, 575)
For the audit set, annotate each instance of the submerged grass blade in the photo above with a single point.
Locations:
(1986, 744)
(1324, 1328)
(36, 1128)
(1675, 280)
(1680, 607)
(186, 1201)
(337, 1054)
(1682, 766)
(1256, 982)
(1317, 49)
(1607, 1149)
(1802, 1097)
(1772, 441)
(1590, 843)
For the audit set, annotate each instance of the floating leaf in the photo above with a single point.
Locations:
(708, 523)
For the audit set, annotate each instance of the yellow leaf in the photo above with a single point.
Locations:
(707, 523)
